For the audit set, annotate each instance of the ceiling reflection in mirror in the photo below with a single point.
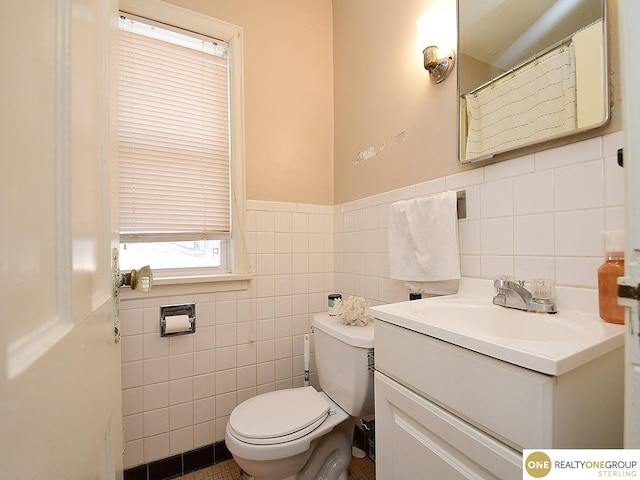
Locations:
(529, 71)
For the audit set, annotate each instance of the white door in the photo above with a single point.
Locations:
(629, 16)
(60, 408)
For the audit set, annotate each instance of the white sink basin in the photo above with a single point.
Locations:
(551, 344)
(483, 318)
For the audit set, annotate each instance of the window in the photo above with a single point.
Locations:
(180, 118)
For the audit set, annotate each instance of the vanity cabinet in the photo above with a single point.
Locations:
(443, 411)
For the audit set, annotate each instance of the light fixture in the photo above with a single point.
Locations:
(432, 29)
(438, 67)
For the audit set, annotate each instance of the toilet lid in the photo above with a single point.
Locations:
(279, 416)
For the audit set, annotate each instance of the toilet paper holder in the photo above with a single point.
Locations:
(167, 328)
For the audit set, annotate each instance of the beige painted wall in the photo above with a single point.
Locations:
(382, 89)
(288, 62)
(326, 79)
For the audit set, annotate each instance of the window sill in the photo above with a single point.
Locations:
(172, 286)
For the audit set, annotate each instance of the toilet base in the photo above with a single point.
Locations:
(328, 458)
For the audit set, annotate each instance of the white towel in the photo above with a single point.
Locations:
(423, 243)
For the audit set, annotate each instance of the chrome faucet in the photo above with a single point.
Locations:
(513, 294)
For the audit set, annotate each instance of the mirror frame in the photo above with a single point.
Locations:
(536, 145)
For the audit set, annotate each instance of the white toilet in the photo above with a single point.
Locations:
(302, 434)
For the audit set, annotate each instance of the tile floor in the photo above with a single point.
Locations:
(361, 469)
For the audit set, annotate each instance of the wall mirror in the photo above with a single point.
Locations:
(528, 72)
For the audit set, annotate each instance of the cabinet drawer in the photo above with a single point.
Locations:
(418, 439)
(508, 402)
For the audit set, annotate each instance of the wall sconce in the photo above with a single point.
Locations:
(439, 68)
(431, 31)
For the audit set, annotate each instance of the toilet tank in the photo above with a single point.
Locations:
(342, 362)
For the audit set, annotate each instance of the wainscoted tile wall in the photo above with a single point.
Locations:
(537, 215)
(178, 392)
(540, 215)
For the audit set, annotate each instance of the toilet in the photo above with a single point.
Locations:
(300, 433)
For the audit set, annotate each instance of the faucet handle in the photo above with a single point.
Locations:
(542, 288)
(502, 281)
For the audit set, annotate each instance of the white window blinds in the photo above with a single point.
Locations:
(174, 135)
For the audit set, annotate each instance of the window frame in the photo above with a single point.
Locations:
(238, 262)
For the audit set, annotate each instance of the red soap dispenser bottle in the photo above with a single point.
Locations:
(608, 274)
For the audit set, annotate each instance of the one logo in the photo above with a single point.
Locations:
(538, 464)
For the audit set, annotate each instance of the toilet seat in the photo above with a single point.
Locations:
(278, 417)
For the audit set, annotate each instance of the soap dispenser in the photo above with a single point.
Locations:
(608, 273)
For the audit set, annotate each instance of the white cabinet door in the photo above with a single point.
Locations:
(417, 439)
(60, 406)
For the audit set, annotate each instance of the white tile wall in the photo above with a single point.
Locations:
(178, 392)
(538, 215)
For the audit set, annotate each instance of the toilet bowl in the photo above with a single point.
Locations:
(300, 433)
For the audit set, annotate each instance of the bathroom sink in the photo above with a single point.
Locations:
(548, 343)
(482, 318)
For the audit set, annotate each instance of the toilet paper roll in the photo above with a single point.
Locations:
(177, 323)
